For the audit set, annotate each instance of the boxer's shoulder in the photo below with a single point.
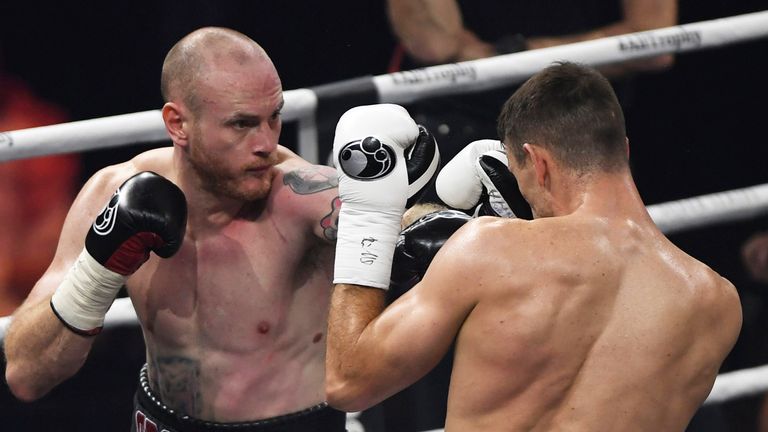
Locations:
(159, 161)
(304, 178)
(156, 160)
(305, 192)
(484, 243)
(104, 182)
(492, 229)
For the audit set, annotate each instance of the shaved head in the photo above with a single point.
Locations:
(189, 62)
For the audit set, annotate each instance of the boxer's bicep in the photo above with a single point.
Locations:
(426, 320)
(422, 324)
(428, 317)
(413, 334)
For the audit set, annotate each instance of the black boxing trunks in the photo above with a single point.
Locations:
(151, 415)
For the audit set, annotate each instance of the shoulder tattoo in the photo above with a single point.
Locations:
(309, 180)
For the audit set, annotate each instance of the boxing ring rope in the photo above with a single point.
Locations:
(303, 105)
(116, 131)
(705, 210)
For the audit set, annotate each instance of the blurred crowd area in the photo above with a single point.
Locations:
(695, 128)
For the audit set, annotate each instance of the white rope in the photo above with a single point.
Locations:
(404, 87)
(116, 131)
(737, 384)
(471, 76)
(83, 135)
(706, 210)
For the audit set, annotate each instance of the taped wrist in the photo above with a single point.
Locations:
(365, 246)
(85, 295)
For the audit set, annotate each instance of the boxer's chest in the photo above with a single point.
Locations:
(240, 287)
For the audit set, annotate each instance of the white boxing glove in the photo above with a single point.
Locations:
(478, 178)
(383, 158)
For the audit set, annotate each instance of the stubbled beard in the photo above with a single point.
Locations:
(223, 181)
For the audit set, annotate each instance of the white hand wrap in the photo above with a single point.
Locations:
(85, 295)
(368, 150)
(460, 183)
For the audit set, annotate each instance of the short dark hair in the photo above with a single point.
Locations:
(571, 110)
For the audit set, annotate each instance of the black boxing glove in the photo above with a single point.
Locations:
(424, 158)
(147, 213)
(503, 192)
(417, 244)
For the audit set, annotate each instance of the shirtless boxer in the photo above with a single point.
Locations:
(234, 317)
(585, 318)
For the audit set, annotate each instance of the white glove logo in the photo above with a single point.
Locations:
(368, 159)
(105, 221)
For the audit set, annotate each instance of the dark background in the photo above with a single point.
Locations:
(694, 129)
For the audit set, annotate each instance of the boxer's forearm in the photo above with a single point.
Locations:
(350, 357)
(384, 160)
(430, 30)
(638, 15)
(40, 352)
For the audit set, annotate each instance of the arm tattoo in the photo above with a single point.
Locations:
(305, 181)
(177, 381)
(330, 221)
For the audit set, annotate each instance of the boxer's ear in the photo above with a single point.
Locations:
(174, 118)
(541, 161)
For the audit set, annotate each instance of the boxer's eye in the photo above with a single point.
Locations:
(243, 122)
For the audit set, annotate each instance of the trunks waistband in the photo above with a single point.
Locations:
(150, 409)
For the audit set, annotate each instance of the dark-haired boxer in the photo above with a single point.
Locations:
(585, 318)
(478, 182)
(233, 302)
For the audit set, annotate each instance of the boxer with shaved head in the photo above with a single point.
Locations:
(224, 243)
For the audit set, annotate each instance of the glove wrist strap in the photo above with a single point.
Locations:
(85, 295)
(365, 246)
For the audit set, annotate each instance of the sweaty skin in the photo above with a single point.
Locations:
(589, 320)
(584, 319)
(234, 323)
(232, 317)
(230, 320)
